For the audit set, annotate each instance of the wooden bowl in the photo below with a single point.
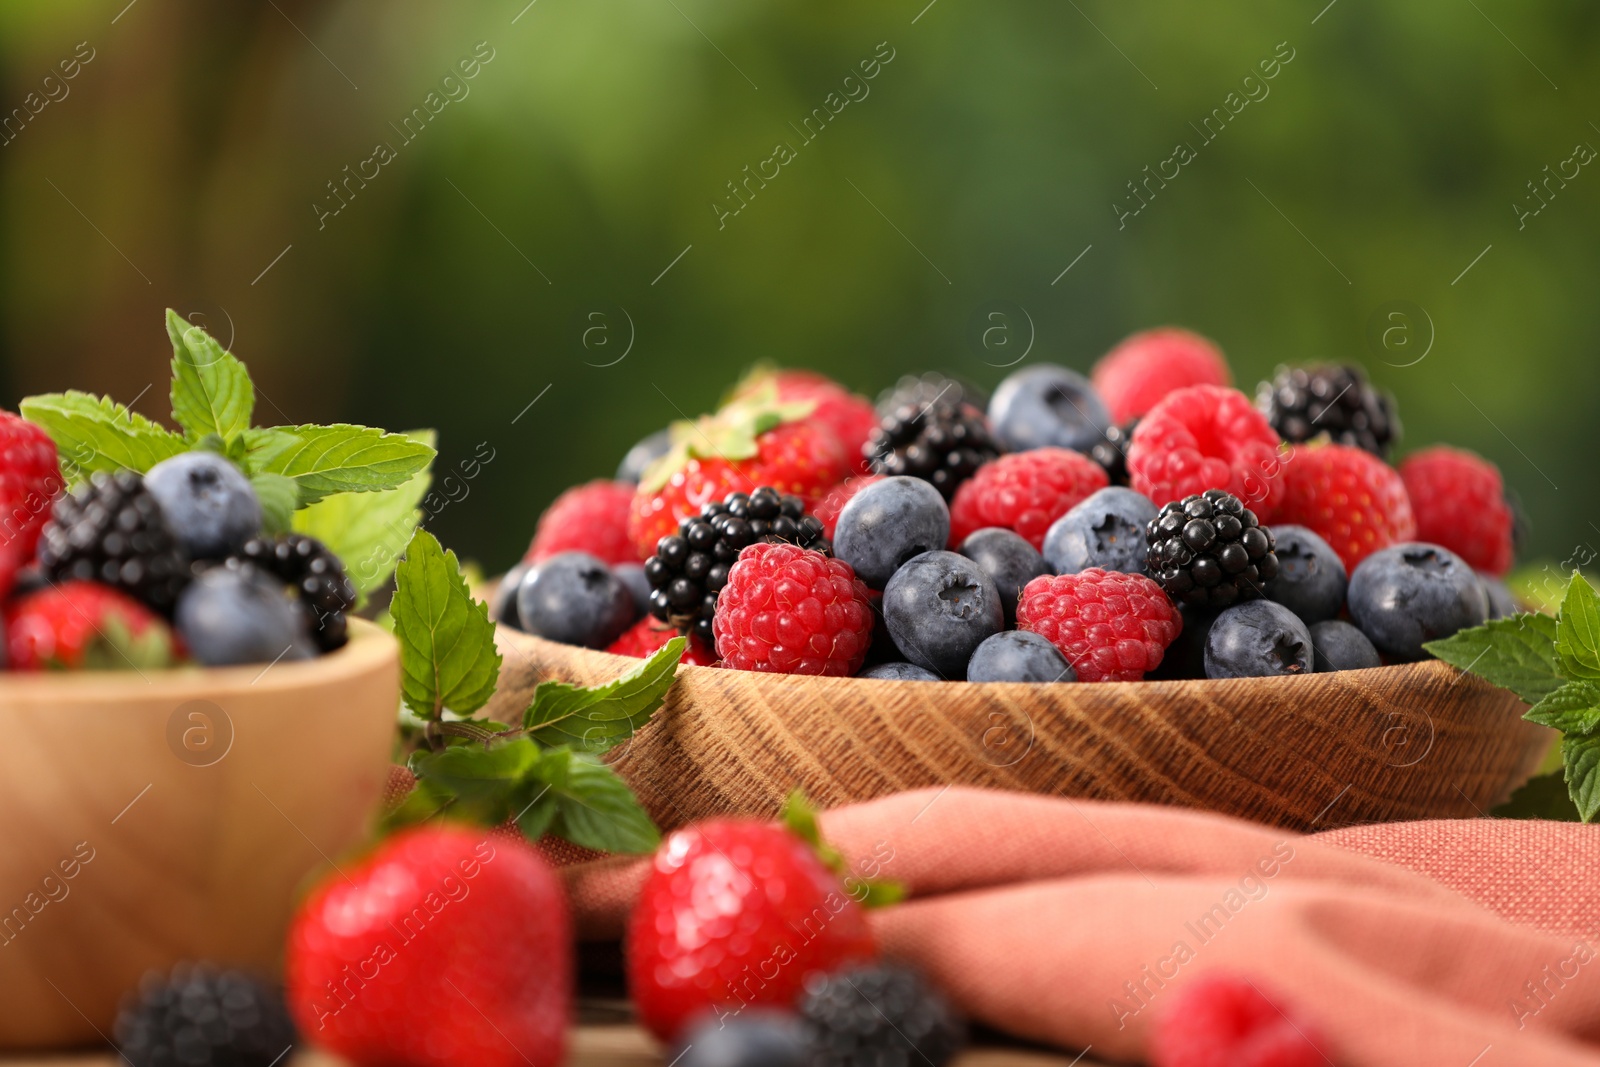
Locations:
(173, 815)
(1415, 741)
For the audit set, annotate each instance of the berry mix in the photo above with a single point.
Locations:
(1149, 520)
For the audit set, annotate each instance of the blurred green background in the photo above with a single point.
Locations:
(575, 175)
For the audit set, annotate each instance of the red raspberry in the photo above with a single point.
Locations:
(736, 913)
(1025, 492)
(649, 634)
(1350, 498)
(1112, 627)
(1460, 503)
(590, 518)
(1207, 437)
(30, 478)
(1134, 376)
(790, 610)
(1224, 1020)
(829, 507)
(81, 625)
(401, 957)
(802, 458)
(849, 415)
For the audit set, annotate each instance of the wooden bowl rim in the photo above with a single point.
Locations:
(369, 646)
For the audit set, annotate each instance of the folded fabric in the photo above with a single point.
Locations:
(1071, 922)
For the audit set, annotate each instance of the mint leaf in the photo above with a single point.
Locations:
(338, 459)
(368, 531)
(211, 390)
(1573, 709)
(448, 657)
(1582, 757)
(94, 433)
(279, 497)
(596, 720)
(594, 807)
(1578, 630)
(1516, 653)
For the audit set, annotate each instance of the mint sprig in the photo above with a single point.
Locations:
(94, 433)
(1554, 665)
(546, 774)
(211, 391)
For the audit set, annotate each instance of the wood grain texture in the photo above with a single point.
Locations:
(185, 838)
(1412, 741)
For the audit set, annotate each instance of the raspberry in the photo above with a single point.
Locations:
(29, 481)
(81, 625)
(1208, 550)
(649, 634)
(1134, 376)
(1025, 492)
(1112, 627)
(590, 518)
(1348, 497)
(1206, 437)
(1460, 503)
(206, 1018)
(790, 610)
(1224, 1020)
(829, 507)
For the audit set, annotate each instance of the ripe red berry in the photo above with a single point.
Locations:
(1460, 503)
(1112, 627)
(30, 478)
(1350, 498)
(791, 610)
(736, 914)
(827, 509)
(849, 415)
(81, 625)
(1224, 1020)
(1207, 437)
(650, 633)
(441, 948)
(1025, 492)
(590, 518)
(1134, 376)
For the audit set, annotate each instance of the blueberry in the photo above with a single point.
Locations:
(1412, 593)
(1502, 601)
(900, 672)
(1338, 646)
(1047, 405)
(632, 576)
(1258, 638)
(749, 1038)
(887, 523)
(208, 503)
(1018, 656)
(1008, 559)
(503, 605)
(1311, 579)
(572, 597)
(238, 614)
(643, 454)
(1105, 530)
(939, 607)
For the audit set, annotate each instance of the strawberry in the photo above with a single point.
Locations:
(441, 948)
(737, 913)
(849, 415)
(752, 442)
(30, 478)
(81, 625)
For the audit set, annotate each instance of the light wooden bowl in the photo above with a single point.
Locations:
(1391, 743)
(173, 815)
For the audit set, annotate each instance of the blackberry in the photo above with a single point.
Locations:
(1208, 550)
(1302, 402)
(1111, 451)
(929, 388)
(879, 1014)
(111, 530)
(690, 567)
(317, 577)
(942, 442)
(204, 1017)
